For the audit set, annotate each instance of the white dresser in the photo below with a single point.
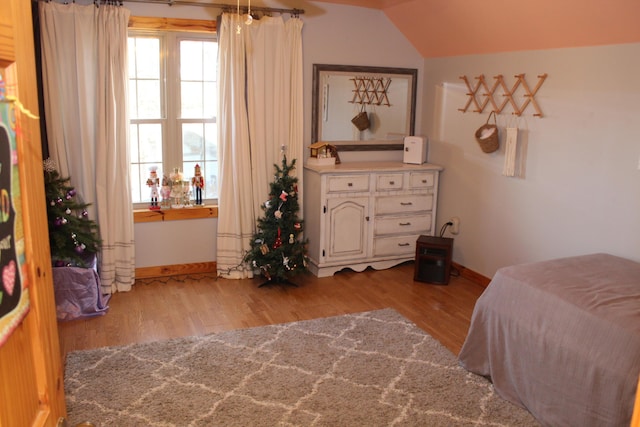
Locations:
(365, 214)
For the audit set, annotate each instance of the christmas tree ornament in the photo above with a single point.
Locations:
(278, 214)
(291, 239)
(297, 226)
(283, 196)
(68, 211)
(264, 249)
(278, 241)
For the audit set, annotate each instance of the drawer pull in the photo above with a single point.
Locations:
(350, 184)
(392, 183)
(406, 203)
(403, 224)
(404, 244)
(367, 218)
(424, 181)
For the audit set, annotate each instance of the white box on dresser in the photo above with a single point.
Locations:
(367, 214)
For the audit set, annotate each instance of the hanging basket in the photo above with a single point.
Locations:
(361, 120)
(487, 135)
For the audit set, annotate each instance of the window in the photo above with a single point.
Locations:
(173, 98)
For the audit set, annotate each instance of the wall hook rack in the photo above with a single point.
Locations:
(371, 90)
(488, 94)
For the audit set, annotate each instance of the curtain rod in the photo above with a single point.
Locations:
(223, 6)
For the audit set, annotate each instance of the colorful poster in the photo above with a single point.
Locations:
(14, 295)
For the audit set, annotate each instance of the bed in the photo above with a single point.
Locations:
(561, 338)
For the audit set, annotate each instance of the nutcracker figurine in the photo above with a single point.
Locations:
(198, 184)
(153, 182)
(165, 192)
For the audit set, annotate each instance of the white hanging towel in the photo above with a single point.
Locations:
(510, 152)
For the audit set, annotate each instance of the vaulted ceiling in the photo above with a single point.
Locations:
(440, 28)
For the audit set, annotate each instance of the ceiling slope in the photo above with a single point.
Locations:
(439, 28)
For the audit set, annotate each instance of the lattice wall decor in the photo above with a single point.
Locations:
(489, 93)
(371, 90)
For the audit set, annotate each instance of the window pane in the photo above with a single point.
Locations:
(133, 99)
(192, 102)
(191, 53)
(149, 105)
(210, 100)
(192, 142)
(135, 183)
(147, 53)
(210, 173)
(150, 143)
(133, 143)
(211, 141)
(210, 61)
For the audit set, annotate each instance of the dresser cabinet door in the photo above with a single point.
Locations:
(348, 228)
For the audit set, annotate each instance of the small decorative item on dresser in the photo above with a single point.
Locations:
(323, 154)
(487, 135)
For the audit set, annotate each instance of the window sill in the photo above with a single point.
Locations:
(195, 212)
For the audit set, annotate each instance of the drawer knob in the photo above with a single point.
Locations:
(392, 183)
(350, 184)
(406, 203)
(424, 181)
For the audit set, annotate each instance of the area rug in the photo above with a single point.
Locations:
(366, 369)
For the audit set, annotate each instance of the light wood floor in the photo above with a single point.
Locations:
(167, 308)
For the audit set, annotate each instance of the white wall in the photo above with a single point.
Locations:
(580, 192)
(332, 34)
(175, 242)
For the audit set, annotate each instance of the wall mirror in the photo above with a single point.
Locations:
(341, 92)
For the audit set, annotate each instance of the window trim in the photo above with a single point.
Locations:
(172, 24)
(195, 212)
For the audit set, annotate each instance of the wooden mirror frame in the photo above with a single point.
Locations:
(361, 70)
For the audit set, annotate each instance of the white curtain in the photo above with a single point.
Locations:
(84, 67)
(255, 126)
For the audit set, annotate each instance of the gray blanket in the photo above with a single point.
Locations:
(561, 338)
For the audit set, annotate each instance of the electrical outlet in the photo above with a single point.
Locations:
(455, 227)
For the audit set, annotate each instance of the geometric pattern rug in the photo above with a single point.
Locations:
(366, 369)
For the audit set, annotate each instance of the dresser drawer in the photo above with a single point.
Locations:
(400, 245)
(404, 204)
(407, 224)
(342, 183)
(391, 181)
(421, 180)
